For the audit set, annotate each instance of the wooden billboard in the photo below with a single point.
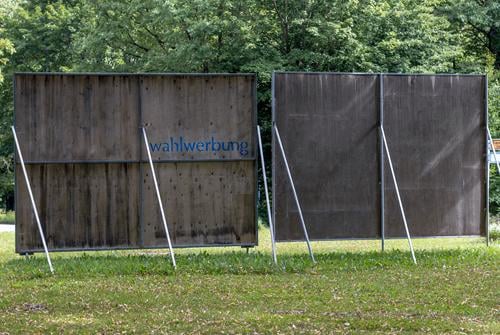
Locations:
(436, 131)
(81, 138)
(329, 124)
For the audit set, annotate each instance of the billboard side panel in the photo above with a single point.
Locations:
(435, 131)
(328, 124)
(70, 118)
(80, 205)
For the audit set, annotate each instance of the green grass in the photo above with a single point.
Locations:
(354, 288)
(494, 231)
(7, 217)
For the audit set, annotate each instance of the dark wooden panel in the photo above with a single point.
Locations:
(328, 124)
(207, 203)
(80, 119)
(199, 117)
(81, 206)
(77, 117)
(435, 127)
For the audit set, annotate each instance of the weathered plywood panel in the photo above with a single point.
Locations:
(80, 134)
(199, 117)
(328, 124)
(206, 203)
(435, 127)
(72, 118)
(81, 206)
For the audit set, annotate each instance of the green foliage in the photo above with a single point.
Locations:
(40, 32)
(494, 125)
(195, 36)
(6, 46)
(6, 49)
(244, 36)
(6, 142)
(494, 104)
(216, 36)
(7, 217)
(480, 23)
(408, 36)
(494, 191)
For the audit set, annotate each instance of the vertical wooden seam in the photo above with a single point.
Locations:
(381, 162)
(141, 171)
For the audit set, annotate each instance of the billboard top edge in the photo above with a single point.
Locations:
(383, 73)
(167, 74)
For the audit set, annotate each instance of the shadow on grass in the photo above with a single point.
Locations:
(240, 263)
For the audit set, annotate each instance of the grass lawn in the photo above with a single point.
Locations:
(354, 288)
(7, 217)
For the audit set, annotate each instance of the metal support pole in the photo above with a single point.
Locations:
(488, 179)
(382, 162)
(35, 211)
(268, 204)
(273, 143)
(487, 205)
(487, 172)
(493, 149)
(306, 235)
(398, 195)
(153, 173)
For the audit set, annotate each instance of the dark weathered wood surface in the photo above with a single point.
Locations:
(435, 128)
(328, 124)
(205, 203)
(212, 114)
(81, 134)
(77, 117)
(80, 206)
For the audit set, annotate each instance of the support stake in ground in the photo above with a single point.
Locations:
(33, 204)
(398, 195)
(153, 173)
(304, 228)
(268, 205)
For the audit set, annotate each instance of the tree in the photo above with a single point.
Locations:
(245, 36)
(407, 36)
(480, 21)
(36, 36)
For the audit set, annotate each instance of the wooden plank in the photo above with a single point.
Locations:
(328, 124)
(209, 203)
(435, 131)
(199, 117)
(81, 206)
(77, 117)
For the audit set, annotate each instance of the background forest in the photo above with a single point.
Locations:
(409, 36)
